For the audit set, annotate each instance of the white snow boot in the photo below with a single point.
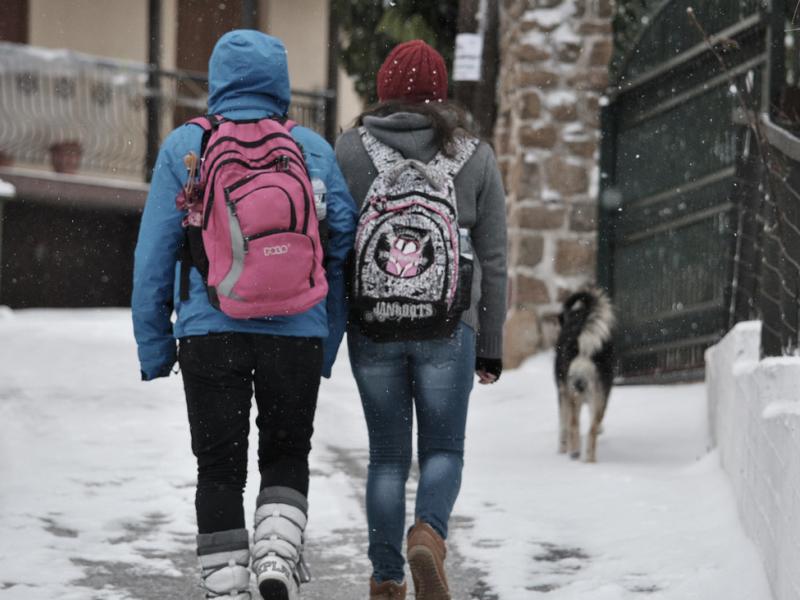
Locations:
(224, 558)
(278, 543)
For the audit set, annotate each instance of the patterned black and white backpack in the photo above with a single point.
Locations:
(412, 273)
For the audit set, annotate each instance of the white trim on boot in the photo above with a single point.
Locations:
(280, 521)
(224, 559)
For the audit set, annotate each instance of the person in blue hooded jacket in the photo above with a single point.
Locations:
(223, 360)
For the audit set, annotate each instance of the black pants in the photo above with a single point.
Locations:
(220, 372)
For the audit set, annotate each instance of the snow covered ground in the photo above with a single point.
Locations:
(96, 483)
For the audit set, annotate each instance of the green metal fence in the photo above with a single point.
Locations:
(669, 179)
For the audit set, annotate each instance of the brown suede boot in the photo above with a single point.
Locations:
(387, 590)
(426, 554)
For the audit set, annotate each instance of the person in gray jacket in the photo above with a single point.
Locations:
(414, 122)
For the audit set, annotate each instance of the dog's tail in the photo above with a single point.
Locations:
(597, 329)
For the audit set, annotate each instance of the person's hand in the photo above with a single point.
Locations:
(488, 369)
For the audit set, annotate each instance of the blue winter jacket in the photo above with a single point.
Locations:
(248, 78)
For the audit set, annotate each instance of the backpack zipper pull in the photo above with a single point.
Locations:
(246, 240)
(283, 163)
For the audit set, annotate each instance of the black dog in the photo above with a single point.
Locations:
(584, 367)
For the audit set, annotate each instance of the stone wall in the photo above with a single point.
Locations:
(554, 68)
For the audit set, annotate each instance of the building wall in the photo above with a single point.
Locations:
(112, 28)
(118, 29)
(754, 418)
(303, 26)
(554, 67)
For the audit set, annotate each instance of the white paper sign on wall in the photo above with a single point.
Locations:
(467, 61)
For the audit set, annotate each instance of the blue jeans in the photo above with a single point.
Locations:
(436, 376)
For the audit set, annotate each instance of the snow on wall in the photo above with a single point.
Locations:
(754, 416)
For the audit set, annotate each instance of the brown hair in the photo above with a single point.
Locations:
(448, 119)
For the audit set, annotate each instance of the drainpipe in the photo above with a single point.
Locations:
(153, 102)
(249, 14)
(331, 107)
(477, 90)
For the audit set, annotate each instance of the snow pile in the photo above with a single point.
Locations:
(7, 190)
(755, 420)
(549, 18)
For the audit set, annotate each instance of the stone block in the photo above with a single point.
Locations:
(575, 257)
(595, 80)
(506, 172)
(566, 111)
(531, 106)
(605, 9)
(531, 250)
(595, 28)
(565, 177)
(522, 337)
(583, 217)
(550, 328)
(529, 291)
(530, 53)
(544, 136)
(563, 293)
(530, 181)
(502, 138)
(590, 110)
(525, 179)
(569, 52)
(582, 149)
(600, 54)
(539, 78)
(515, 10)
(541, 217)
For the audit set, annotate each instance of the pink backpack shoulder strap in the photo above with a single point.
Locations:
(206, 122)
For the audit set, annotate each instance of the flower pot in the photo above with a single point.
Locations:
(66, 157)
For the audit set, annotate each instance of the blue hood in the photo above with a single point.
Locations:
(248, 70)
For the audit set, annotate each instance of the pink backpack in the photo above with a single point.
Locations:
(253, 211)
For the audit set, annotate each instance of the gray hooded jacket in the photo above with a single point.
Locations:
(481, 209)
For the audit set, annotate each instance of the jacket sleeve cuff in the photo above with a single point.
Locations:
(490, 345)
(151, 374)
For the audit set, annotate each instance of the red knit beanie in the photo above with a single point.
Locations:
(413, 72)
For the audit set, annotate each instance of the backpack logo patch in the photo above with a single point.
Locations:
(275, 250)
(405, 253)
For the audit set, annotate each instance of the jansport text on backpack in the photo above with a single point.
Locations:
(412, 266)
(258, 226)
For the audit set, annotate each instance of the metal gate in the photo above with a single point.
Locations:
(668, 218)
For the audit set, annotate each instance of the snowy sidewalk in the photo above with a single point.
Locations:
(96, 499)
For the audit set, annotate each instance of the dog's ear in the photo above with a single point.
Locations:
(561, 318)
